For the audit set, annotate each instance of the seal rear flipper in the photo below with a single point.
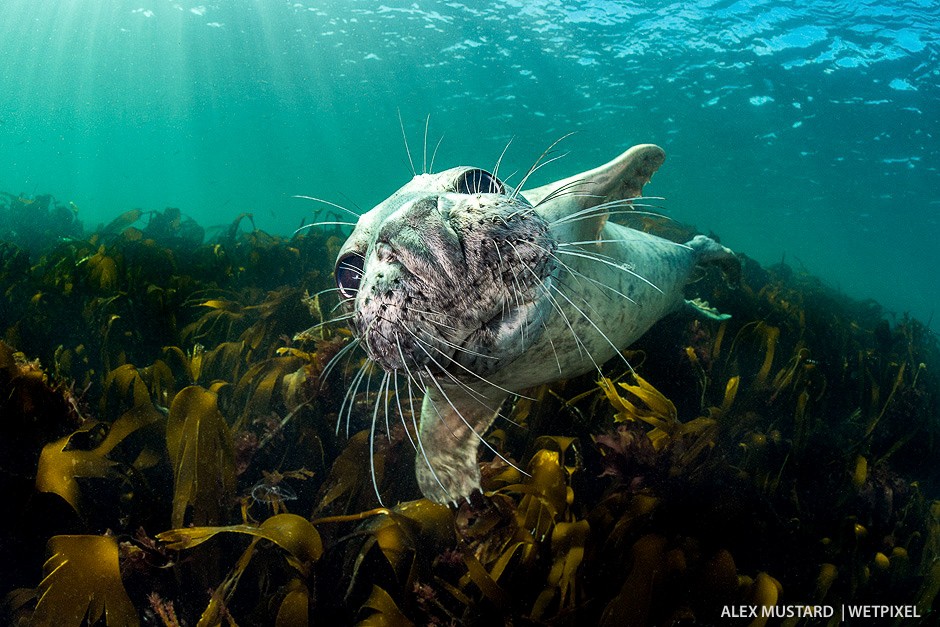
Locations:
(620, 179)
(702, 308)
(705, 250)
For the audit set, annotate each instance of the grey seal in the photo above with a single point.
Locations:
(469, 290)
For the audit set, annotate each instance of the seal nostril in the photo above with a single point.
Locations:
(384, 252)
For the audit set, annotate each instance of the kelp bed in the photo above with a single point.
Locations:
(169, 455)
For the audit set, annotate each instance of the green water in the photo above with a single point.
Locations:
(806, 133)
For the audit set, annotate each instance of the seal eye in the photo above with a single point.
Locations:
(478, 182)
(349, 274)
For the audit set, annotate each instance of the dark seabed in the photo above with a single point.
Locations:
(166, 440)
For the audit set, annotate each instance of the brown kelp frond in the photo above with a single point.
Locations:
(266, 385)
(85, 453)
(292, 533)
(82, 580)
(261, 327)
(224, 320)
(380, 610)
(773, 459)
(659, 412)
(201, 453)
(349, 483)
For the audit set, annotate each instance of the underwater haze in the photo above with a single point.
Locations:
(798, 131)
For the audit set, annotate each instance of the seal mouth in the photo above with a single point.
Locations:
(503, 338)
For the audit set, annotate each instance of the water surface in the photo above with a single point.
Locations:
(806, 132)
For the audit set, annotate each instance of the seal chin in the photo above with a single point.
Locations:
(479, 353)
(505, 337)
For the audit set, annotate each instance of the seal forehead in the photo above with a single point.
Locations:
(421, 185)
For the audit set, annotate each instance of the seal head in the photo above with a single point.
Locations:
(454, 268)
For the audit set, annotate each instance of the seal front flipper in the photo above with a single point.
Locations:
(620, 179)
(453, 422)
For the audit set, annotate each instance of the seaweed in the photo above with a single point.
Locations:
(169, 452)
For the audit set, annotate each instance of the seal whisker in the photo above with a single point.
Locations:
(356, 272)
(467, 388)
(614, 241)
(375, 415)
(401, 411)
(424, 161)
(332, 320)
(434, 154)
(327, 202)
(538, 164)
(404, 137)
(610, 263)
(326, 291)
(464, 349)
(367, 375)
(621, 212)
(431, 312)
(535, 168)
(596, 328)
(414, 421)
(387, 383)
(469, 426)
(568, 190)
(594, 281)
(582, 349)
(525, 324)
(555, 353)
(341, 316)
(605, 207)
(580, 275)
(442, 340)
(327, 223)
(471, 372)
(350, 397)
(500, 159)
(517, 293)
(328, 369)
(500, 267)
(479, 397)
(633, 201)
